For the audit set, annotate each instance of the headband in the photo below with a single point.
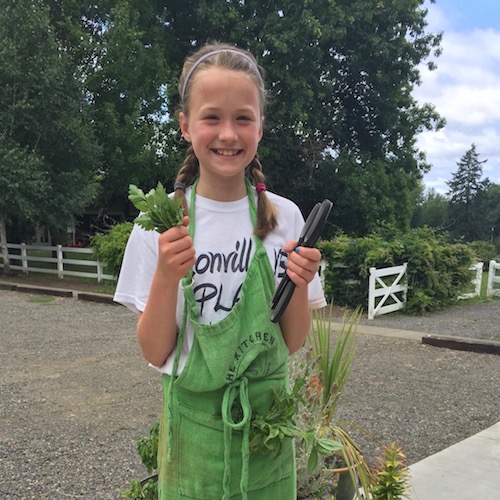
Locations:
(212, 53)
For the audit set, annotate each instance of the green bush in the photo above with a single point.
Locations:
(109, 247)
(483, 251)
(438, 272)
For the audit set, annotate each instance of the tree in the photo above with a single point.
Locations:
(467, 192)
(341, 115)
(48, 153)
(341, 121)
(432, 211)
(490, 207)
(125, 74)
(22, 184)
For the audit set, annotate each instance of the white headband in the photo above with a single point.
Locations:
(212, 53)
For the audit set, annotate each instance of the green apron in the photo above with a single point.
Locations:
(231, 373)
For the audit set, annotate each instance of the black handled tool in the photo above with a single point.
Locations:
(308, 238)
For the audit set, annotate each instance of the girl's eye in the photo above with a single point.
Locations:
(211, 117)
(244, 118)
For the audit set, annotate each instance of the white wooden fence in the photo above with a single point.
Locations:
(21, 260)
(385, 297)
(493, 278)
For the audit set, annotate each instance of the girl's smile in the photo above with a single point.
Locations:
(223, 122)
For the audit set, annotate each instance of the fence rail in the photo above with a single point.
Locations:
(22, 257)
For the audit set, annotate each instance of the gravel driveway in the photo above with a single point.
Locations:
(480, 321)
(76, 394)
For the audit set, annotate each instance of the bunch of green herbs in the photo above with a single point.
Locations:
(158, 210)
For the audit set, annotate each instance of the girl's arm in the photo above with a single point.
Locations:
(156, 326)
(302, 266)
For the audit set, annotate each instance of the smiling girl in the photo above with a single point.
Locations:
(203, 290)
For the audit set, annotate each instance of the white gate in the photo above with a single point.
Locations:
(493, 278)
(380, 292)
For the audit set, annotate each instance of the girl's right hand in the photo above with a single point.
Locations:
(176, 254)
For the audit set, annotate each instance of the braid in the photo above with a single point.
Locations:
(266, 211)
(187, 174)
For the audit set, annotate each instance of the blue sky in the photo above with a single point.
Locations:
(465, 88)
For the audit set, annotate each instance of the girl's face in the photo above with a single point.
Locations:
(224, 126)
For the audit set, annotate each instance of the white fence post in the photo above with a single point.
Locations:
(479, 277)
(99, 271)
(371, 295)
(386, 291)
(322, 269)
(60, 264)
(492, 279)
(24, 258)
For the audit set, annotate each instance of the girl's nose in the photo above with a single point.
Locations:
(227, 132)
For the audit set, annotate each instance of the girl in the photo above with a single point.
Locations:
(203, 290)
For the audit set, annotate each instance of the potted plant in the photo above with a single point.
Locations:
(322, 370)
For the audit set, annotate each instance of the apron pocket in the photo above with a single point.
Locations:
(200, 454)
(201, 459)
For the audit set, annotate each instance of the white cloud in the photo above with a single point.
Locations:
(465, 89)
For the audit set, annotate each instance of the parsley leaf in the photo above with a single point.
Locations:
(158, 210)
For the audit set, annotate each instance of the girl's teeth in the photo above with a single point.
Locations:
(226, 153)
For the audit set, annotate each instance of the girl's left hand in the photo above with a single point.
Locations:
(303, 263)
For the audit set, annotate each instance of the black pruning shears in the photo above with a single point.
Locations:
(310, 234)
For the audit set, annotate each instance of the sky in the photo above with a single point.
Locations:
(465, 88)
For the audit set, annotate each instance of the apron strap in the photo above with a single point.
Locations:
(186, 282)
(238, 388)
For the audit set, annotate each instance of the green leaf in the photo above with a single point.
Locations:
(328, 446)
(136, 196)
(158, 210)
(144, 220)
(313, 461)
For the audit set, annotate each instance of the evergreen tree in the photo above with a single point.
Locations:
(467, 192)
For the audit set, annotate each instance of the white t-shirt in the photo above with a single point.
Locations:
(224, 244)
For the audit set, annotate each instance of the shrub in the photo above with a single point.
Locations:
(483, 251)
(109, 247)
(438, 272)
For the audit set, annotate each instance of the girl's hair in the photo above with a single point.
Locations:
(228, 57)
